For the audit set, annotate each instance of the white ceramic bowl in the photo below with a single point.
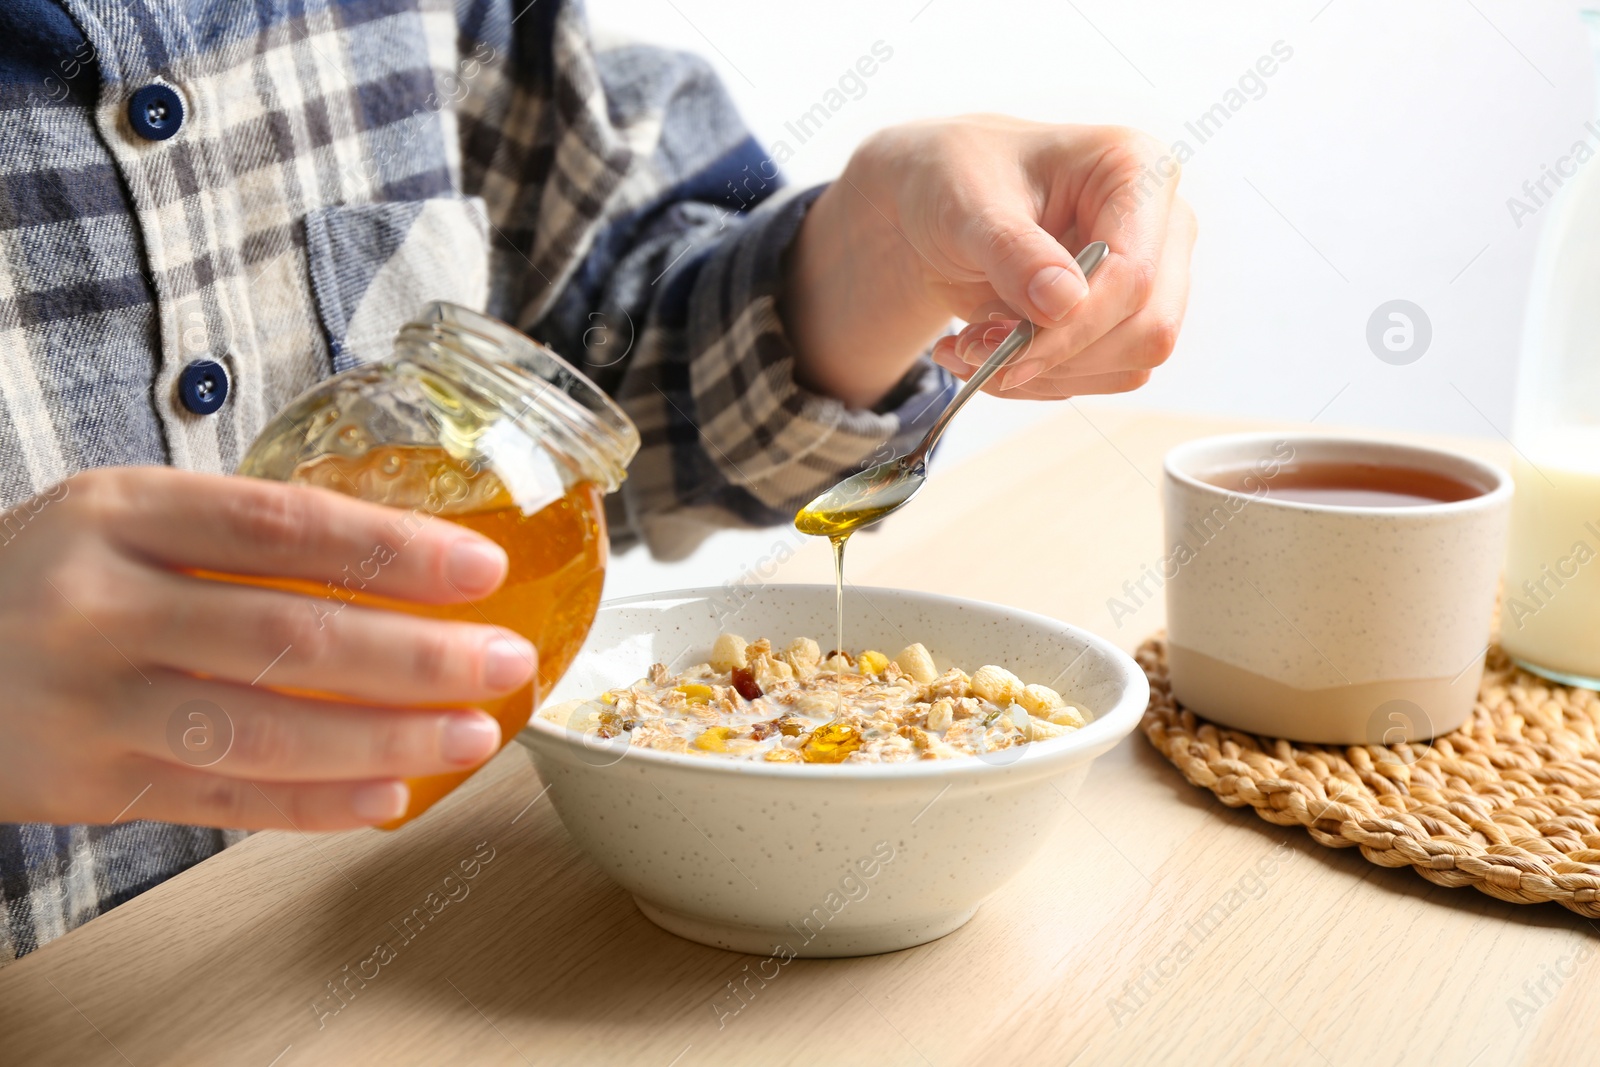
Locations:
(810, 860)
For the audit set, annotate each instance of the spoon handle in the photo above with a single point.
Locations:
(1088, 260)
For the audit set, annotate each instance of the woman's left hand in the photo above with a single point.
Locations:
(978, 218)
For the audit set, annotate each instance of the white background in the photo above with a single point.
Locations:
(1376, 165)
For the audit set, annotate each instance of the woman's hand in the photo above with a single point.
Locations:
(979, 218)
(106, 645)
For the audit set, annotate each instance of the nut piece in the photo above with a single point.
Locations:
(997, 685)
(729, 652)
(941, 715)
(803, 652)
(819, 704)
(1018, 716)
(1068, 715)
(915, 661)
(1041, 730)
(871, 662)
(1040, 700)
(837, 663)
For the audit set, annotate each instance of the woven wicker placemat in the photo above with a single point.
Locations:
(1509, 803)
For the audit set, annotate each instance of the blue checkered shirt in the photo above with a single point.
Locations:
(334, 165)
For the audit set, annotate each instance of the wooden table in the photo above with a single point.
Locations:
(1157, 927)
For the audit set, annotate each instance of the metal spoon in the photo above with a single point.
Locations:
(862, 499)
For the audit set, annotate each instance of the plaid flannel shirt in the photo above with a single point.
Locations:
(336, 164)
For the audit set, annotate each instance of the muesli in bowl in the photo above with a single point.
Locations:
(750, 701)
(732, 849)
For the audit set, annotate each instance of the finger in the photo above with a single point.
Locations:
(1122, 206)
(150, 789)
(964, 362)
(1140, 342)
(242, 731)
(254, 527)
(1062, 388)
(1127, 203)
(1029, 269)
(1057, 386)
(246, 634)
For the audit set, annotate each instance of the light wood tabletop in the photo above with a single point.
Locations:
(1157, 926)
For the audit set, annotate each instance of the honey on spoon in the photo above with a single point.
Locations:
(864, 498)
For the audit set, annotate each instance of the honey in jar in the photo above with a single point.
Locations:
(471, 422)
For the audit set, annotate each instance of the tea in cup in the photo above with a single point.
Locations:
(1330, 590)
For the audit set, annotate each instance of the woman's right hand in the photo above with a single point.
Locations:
(106, 644)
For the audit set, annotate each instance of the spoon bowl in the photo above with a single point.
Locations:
(864, 497)
(867, 496)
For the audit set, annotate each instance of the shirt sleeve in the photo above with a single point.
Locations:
(673, 308)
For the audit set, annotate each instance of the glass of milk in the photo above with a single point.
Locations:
(1550, 616)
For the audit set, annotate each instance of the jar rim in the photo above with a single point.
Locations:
(589, 425)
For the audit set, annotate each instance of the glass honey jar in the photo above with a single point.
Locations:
(473, 422)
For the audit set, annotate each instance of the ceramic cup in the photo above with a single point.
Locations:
(1325, 623)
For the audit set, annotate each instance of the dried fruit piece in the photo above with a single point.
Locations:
(872, 662)
(697, 694)
(782, 755)
(830, 743)
(744, 683)
(715, 739)
(787, 725)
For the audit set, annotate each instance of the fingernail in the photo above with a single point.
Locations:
(972, 348)
(469, 739)
(1023, 373)
(474, 565)
(380, 801)
(1056, 291)
(507, 663)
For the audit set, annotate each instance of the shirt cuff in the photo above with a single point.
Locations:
(766, 434)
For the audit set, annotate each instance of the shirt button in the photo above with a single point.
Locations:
(203, 386)
(156, 112)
